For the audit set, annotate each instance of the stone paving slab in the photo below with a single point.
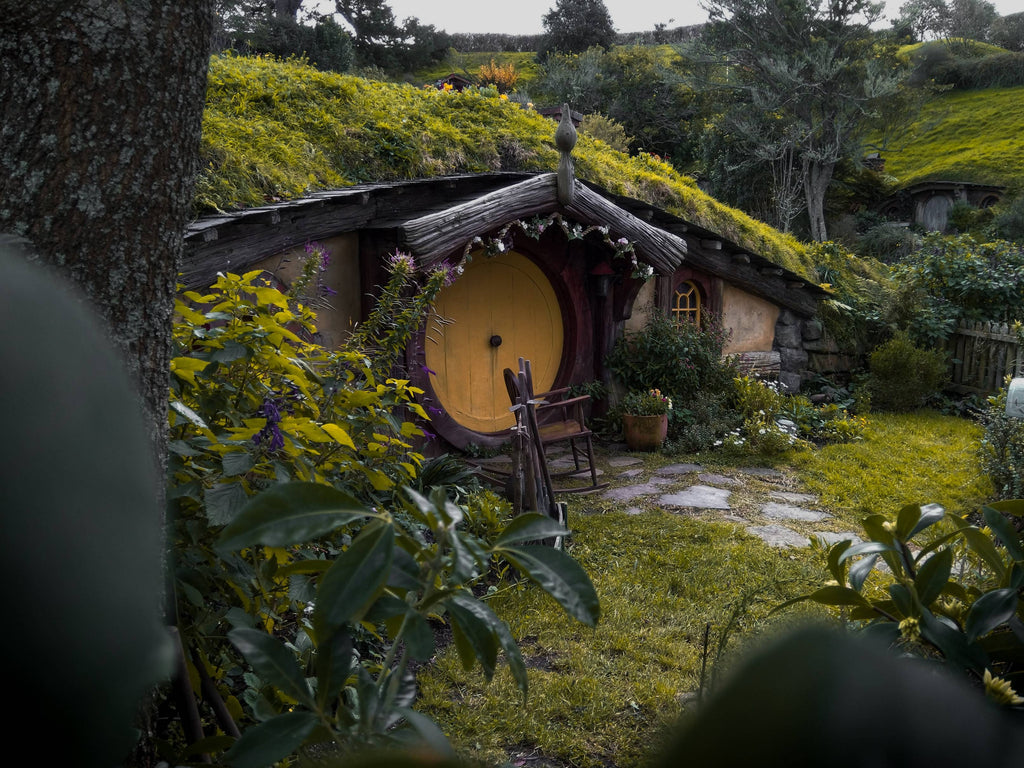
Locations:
(679, 469)
(790, 512)
(624, 461)
(631, 492)
(778, 536)
(630, 473)
(699, 496)
(794, 498)
(713, 479)
(494, 460)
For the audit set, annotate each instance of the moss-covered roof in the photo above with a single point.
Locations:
(975, 136)
(277, 130)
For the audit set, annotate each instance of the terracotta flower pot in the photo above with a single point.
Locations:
(645, 433)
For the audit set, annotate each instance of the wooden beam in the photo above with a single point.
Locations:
(436, 235)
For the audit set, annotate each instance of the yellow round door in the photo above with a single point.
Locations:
(500, 309)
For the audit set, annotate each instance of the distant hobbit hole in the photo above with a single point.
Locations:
(500, 309)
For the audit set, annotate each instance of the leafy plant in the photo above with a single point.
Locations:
(903, 375)
(1002, 448)
(397, 581)
(680, 359)
(298, 535)
(649, 403)
(954, 597)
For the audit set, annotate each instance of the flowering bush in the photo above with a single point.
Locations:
(1002, 449)
(649, 403)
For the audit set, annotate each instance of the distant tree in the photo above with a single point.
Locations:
(380, 41)
(573, 26)
(1008, 32)
(971, 19)
(926, 19)
(815, 68)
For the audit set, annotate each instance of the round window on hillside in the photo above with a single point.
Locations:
(686, 304)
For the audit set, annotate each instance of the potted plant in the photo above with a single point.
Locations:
(645, 419)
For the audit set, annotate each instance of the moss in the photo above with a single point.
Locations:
(280, 129)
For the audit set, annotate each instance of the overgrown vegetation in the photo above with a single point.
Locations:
(298, 536)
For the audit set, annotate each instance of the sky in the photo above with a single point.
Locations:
(523, 17)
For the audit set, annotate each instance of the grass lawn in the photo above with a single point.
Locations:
(607, 696)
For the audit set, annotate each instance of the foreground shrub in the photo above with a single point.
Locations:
(967, 617)
(903, 375)
(307, 568)
(1002, 449)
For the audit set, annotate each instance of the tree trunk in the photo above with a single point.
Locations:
(817, 176)
(101, 108)
(100, 115)
(287, 9)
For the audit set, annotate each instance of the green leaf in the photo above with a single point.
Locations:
(334, 664)
(933, 575)
(930, 514)
(501, 632)
(224, 502)
(560, 576)
(273, 662)
(1009, 507)
(474, 639)
(465, 566)
(1005, 532)
(418, 636)
(530, 527)
(906, 520)
(952, 642)
(835, 567)
(359, 574)
(859, 571)
(290, 513)
(867, 548)
(236, 463)
(430, 735)
(989, 611)
(983, 545)
(271, 741)
(837, 596)
(903, 599)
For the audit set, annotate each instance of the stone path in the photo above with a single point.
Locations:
(778, 517)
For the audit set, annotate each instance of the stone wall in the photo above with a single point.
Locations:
(806, 349)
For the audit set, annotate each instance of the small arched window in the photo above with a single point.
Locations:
(686, 303)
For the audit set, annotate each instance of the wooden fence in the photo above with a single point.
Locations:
(983, 355)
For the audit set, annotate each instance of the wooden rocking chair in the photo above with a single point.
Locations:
(558, 419)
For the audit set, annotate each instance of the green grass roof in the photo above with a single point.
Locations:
(975, 136)
(276, 130)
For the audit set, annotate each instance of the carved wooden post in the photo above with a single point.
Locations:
(565, 140)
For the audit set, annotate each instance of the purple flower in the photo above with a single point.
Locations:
(400, 261)
(428, 371)
(434, 411)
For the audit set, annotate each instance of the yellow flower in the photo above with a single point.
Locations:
(910, 629)
(1000, 691)
(503, 96)
(446, 87)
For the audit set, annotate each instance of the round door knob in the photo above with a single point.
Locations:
(495, 341)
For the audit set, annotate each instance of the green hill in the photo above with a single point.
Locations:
(973, 136)
(276, 130)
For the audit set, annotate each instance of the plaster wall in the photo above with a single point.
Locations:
(334, 322)
(751, 319)
(644, 304)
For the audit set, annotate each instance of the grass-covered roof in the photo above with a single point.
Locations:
(975, 136)
(276, 130)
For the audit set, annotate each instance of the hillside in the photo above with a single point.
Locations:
(277, 130)
(973, 136)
